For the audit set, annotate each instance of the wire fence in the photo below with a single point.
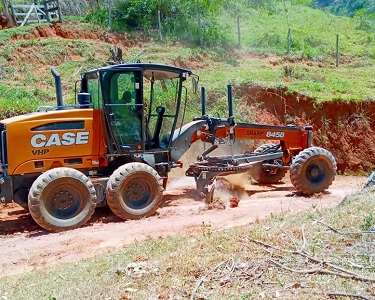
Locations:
(237, 30)
(203, 34)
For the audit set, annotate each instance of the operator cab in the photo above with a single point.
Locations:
(141, 104)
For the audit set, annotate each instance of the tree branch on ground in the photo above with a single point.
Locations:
(202, 278)
(325, 265)
(342, 294)
(345, 233)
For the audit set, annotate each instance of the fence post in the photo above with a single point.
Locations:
(337, 50)
(110, 14)
(200, 29)
(14, 19)
(239, 32)
(46, 11)
(159, 24)
(59, 10)
(288, 40)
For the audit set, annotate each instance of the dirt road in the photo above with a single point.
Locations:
(24, 246)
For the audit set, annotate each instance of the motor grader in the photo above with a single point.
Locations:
(62, 161)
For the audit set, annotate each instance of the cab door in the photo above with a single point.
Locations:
(124, 109)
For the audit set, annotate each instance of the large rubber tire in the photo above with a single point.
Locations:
(313, 170)
(62, 199)
(263, 174)
(134, 191)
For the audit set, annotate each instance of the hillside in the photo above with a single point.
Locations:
(302, 88)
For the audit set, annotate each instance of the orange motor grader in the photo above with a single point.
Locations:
(116, 145)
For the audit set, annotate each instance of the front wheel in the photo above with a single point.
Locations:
(313, 170)
(62, 199)
(134, 191)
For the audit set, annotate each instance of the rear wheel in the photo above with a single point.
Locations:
(134, 191)
(62, 199)
(265, 174)
(313, 170)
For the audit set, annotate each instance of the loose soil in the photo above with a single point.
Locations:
(25, 247)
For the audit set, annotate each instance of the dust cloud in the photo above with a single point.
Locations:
(226, 187)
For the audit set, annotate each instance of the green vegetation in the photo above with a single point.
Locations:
(262, 59)
(306, 256)
(349, 7)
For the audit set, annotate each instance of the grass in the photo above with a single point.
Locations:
(261, 60)
(267, 259)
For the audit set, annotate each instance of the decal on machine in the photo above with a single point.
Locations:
(276, 134)
(252, 132)
(41, 140)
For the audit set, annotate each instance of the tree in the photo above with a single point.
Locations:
(324, 3)
(7, 14)
(349, 7)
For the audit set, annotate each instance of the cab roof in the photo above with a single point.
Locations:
(155, 71)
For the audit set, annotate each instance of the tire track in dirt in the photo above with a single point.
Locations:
(183, 212)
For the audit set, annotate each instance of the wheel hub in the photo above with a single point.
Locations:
(315, 173)
(135, 192)
(62, 200)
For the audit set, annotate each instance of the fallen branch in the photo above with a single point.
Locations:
(329, 227)
(345, 232)
(291, 238)
(324, 270)
(303, 238)
(201, 279)
(350, 274)
(300, 271)
(342, 294)
(76, 72)
(270, 246)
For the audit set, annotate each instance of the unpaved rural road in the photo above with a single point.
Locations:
(24, 246)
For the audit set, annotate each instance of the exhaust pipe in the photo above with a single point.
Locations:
(230, 106)
(231, 121)
(203, 97)
(230, 101)
(59, 96)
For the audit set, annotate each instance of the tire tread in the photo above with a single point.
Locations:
(115, 182)
(43, 181)
(297, 177)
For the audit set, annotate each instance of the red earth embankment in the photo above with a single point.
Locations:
(345, 129)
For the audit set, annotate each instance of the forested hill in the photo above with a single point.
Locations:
(348, 7)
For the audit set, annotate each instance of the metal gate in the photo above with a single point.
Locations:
(36, 13)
